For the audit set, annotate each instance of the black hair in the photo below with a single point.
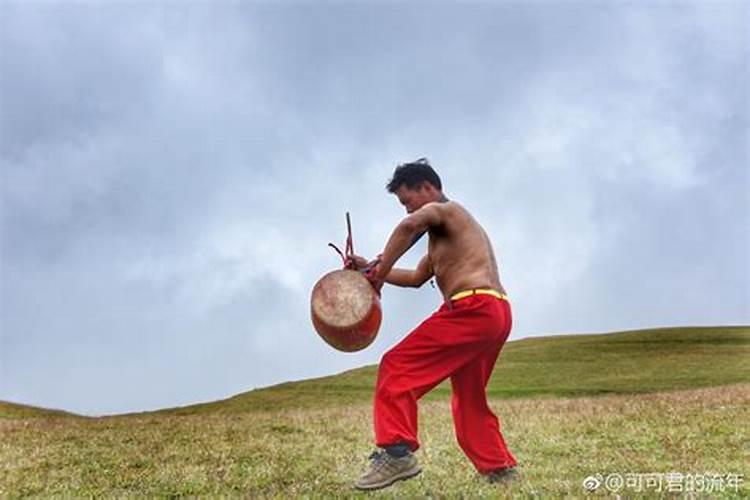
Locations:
(412, 174)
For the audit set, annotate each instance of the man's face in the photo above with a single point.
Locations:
(413, 199)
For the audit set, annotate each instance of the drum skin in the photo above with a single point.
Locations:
(345, 310)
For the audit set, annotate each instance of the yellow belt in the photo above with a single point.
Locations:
(479, 291)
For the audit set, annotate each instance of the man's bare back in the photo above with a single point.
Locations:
(460, 253)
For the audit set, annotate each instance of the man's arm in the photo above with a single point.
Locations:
(411, 278)
(403, 237)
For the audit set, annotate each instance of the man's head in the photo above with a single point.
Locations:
(416, 184)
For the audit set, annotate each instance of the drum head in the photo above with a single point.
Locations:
(342, 299)
(345, 310)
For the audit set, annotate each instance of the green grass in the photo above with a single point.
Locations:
(657, 401)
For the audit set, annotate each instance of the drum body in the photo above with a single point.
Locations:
(345, 310)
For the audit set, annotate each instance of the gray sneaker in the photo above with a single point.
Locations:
(503, 475)
(386, 470)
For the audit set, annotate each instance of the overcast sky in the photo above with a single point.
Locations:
(172, 174)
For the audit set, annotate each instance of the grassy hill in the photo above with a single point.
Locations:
(631, 362)
(311, 438)
(14, 410)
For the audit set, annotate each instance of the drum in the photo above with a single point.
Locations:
(345, 310)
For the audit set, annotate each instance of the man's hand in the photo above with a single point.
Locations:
(371, 274)
(356, 263)
(368, 269)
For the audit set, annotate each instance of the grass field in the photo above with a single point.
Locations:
(261, 444)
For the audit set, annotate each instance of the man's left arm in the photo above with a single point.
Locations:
(404, 236)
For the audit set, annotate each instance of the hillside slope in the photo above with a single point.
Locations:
(639, 361)
(630, 362)
(15, 410)
(310, 443)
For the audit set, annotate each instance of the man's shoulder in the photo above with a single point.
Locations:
(444, 206)
(445, 212)
(448, 208)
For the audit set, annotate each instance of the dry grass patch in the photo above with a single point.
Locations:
(319, 452)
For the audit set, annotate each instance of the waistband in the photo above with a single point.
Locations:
(479, 291)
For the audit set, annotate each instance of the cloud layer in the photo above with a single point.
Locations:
(171, 176)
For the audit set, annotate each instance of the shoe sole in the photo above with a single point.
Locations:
(407, 474)
(508, 478)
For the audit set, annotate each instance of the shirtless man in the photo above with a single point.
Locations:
(461, 340)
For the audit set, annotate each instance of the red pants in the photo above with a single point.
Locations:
(462, 341)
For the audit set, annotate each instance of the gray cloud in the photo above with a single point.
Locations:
(172, 174)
